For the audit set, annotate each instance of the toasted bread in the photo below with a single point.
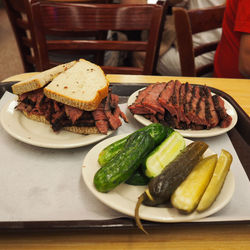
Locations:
(82, 86)
(41, 79)
(78, 130)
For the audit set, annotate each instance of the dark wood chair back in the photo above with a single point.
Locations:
(189, 22)
(19, 14)
(60, 19)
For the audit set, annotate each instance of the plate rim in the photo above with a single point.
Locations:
(188, 132)
(4, 112)
(102, 197)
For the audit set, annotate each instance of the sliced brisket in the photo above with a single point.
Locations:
(137, 107)
(225, 119)
(60, 115)
(194, 107)
(151, 99)
(166, 94)
(101, 120)
(169, 98)
(73, 113)
(114, 100)
(185, 106)
(114, 121)
(211, 114)
(102, 126)
(182, 102)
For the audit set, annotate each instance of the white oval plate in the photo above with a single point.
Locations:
(193, 133)
(40, 134)
(124, 197)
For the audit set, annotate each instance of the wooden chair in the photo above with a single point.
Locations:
(19, 14)
(97, 18)
(189, 22)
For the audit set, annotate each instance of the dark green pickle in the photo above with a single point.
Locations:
(158, 132)
(124, 164)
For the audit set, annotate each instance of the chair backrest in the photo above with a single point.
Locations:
(19, 14)
(189, 22)
(60, 18)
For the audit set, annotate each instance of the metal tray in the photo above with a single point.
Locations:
(239, 135)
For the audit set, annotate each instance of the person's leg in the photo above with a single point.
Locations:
(169, 63)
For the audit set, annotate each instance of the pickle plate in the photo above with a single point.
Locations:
(124, 197)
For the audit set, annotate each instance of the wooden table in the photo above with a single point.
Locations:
(174, 236)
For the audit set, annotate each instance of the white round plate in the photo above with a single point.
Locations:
(193, 133)
(124, 197)
(40, 134)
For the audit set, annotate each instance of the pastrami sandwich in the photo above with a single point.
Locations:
(74, 96)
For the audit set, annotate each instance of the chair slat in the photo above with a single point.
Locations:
(65, 20)
(97, 45)
(189, 22)
(204, 69)
(19, 13)
(206, 19)
(27, 41)
(22, 24)
(205, 48)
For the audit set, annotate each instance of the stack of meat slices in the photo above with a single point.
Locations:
(181, 106)
(59, 115)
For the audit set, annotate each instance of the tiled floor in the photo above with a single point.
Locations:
(10, 60)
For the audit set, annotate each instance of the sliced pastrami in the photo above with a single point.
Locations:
(118, 113)
(201, 112)
(225, 119)
(114, 100)
(102, 126)
(166, 94)
(73, 113)
(143, 93)
(197, 108)
(182, 101)
(23, 96)
(211, 114)
(171, 120)
(99, 113)
(33, 96)
(151, 99)
(173, 105)
(101, 120)
(187, 100)
(114, 121)
(152, 118)
(137, 107)
(24, 107)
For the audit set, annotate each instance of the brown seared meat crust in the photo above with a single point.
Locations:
(59, 115)
(181, 106)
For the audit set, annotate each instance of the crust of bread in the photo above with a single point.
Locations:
(41, 79)
(74, 129)
(78, 92)
(83, 130)
(37, 118)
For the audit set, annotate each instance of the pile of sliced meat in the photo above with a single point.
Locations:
(105, 117)
(181, 106)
